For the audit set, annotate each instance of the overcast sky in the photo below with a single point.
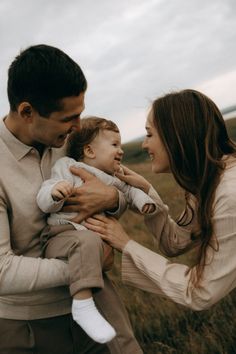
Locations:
(131, 51)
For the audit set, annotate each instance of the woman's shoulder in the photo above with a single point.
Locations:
(229, 173)
(230, 161)
(225, 197)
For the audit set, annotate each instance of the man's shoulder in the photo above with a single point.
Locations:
(63, 162)
(6, 156)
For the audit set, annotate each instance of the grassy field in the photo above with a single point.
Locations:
(160, 325)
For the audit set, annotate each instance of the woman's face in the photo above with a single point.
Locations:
(155, 148)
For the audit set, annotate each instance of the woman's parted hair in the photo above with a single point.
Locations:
(194, 134)
(89, 129)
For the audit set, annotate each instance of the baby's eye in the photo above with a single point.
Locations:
(114, 145)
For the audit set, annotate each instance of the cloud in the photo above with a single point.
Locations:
(131, 51)
(221, 89)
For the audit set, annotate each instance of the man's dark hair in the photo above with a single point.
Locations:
(43, 75)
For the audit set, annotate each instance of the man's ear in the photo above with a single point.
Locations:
(89, 151)
(25, 110)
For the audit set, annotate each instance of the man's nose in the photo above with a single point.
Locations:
(76, 124)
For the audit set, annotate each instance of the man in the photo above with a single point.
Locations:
(46, 91)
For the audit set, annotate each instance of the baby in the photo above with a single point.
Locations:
(96, 147)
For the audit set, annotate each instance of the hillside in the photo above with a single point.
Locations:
(135, 154)
(231, 127)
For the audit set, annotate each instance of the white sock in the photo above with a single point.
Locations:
(85, 313)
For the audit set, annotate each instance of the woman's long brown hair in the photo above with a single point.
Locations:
(194, 134)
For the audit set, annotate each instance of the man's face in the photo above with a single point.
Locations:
(53, 131)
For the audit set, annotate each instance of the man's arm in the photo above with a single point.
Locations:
(19, 274)
(93, 197)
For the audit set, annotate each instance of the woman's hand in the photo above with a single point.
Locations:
(133, 178)
(109, 229)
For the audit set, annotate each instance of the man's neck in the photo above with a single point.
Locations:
(13, 124)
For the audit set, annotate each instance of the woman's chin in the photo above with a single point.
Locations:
(155, 168)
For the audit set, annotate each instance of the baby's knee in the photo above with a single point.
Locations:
(90, 238)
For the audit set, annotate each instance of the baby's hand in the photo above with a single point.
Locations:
(62, 190)
(148, 208)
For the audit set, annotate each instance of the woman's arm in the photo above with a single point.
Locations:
(152, 272)
(169, 236)
(133, 179)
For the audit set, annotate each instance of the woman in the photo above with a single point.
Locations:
(186, 135)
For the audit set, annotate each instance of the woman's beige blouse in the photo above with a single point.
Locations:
(152, 272)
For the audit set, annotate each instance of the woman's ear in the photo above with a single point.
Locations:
(89, 151)
(25, 110)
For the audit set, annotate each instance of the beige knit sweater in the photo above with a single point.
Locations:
(152, 272)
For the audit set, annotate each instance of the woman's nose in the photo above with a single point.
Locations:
(144, 144)
(121, 152)
(76, 125)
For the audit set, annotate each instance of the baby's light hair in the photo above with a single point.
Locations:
(89, 129)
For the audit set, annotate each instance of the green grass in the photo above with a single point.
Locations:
(160, 325)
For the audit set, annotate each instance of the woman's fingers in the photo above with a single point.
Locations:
(109, 229)
(128, 171)
(102, 218)
(97, 223)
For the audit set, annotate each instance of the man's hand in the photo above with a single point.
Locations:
(92, 197)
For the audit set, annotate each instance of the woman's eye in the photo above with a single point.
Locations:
(148, 135)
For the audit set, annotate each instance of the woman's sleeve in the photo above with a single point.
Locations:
(152, 272)
(163, 228)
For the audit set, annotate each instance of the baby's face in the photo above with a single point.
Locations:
(108, 152)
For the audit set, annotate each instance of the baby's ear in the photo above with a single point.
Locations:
(89, 152)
